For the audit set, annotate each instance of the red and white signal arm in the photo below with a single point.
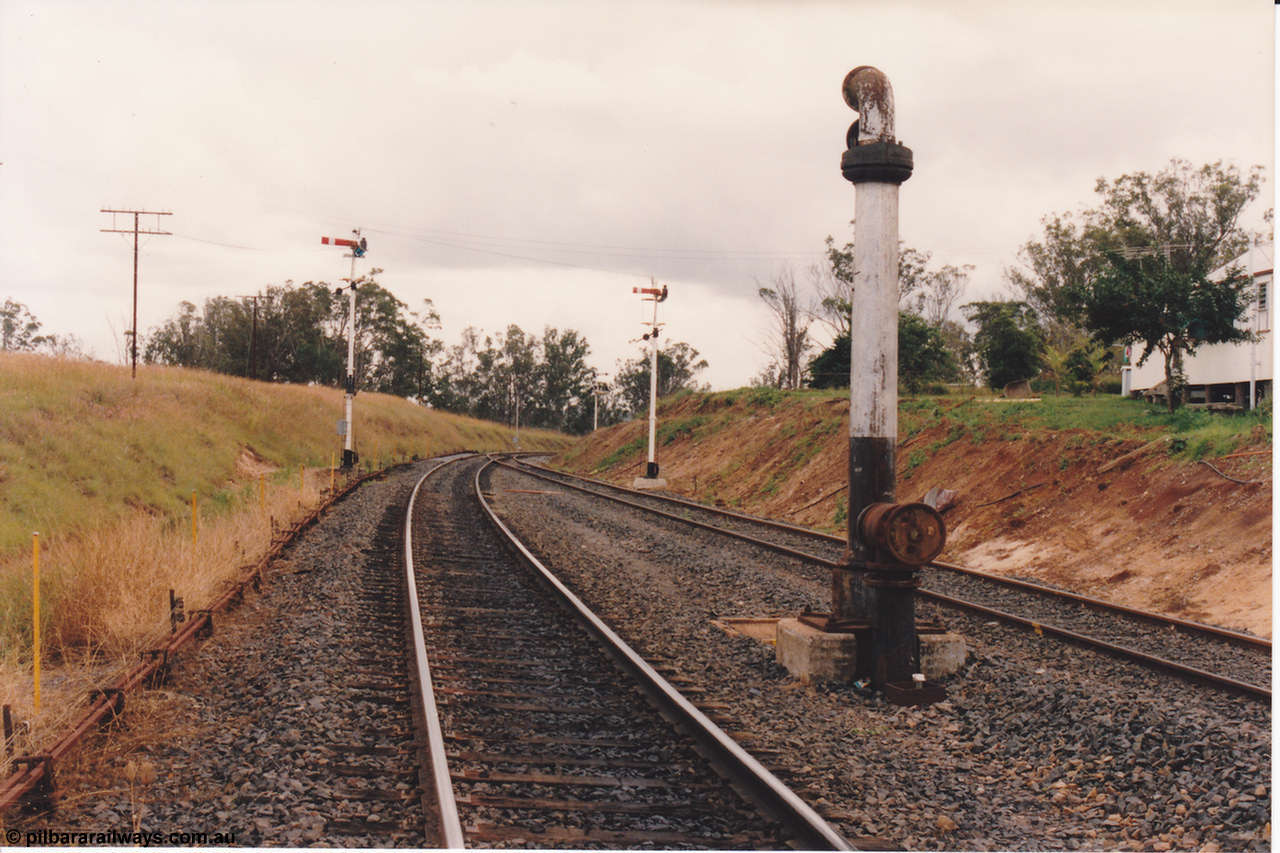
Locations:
(657, 294)
(358, 247)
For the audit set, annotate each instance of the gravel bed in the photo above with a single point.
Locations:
(1040, 745)
(291, 726)
(1243, 663)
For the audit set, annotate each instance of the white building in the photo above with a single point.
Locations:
(1222, 373)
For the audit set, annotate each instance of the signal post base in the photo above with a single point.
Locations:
(649, 483)
(815, 647)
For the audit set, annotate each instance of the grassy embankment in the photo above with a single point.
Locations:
(104, 468)
(762, 443)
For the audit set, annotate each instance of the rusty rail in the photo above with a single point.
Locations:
(36, 773)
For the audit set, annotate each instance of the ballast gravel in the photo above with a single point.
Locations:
(278, 730)
(1039, 745)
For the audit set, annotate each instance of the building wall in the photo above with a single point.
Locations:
(1219, 363)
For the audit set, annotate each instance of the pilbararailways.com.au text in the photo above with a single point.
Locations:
(115, 838)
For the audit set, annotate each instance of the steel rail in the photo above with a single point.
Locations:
(761, 786)
(110, 699)
(1252, 690)
(1238, 637)
(1127, 652)
(446, 805)
(1188, 625)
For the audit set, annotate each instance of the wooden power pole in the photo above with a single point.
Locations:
(135, 231)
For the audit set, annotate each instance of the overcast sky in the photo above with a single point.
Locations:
(530, 162)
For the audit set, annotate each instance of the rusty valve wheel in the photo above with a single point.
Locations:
(912, 533)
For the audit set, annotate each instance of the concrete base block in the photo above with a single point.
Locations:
(942, 654)
(648, 483)
(808, 653)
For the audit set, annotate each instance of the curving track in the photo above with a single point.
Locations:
(1227, 659)
(534, 739)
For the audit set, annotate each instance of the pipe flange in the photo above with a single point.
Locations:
(881, 162)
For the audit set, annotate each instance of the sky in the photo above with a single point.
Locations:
(531, 162)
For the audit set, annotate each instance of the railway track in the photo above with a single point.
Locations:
(534, 738)
(1226, 659)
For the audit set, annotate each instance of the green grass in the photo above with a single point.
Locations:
(1205, 433)
(81, 443)
(765, 398)
(103, 467)
(669, 431)
(914, 460)
(635, 445)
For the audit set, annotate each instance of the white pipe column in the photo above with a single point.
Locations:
(872, 587)
(873, 327)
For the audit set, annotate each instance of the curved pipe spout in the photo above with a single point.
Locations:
(867, 90)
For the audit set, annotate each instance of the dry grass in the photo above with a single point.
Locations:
(104, 468)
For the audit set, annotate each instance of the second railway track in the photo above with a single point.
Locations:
(1228, 659)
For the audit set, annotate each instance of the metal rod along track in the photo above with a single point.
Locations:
(109, 701)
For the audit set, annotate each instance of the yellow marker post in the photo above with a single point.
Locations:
(195, 518)
(35, 612)
(333, 471)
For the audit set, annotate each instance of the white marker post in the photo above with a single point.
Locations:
(596, 391)
(358, 247)
(651, 480)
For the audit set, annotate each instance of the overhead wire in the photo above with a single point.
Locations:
(500, 249)
(604, 248)
(217, 243)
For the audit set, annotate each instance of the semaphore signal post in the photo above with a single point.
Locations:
(358, 246)
(651, 480)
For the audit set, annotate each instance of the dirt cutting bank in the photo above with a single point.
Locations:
(1104, 497)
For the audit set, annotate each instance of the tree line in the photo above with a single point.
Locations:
(1132, 270)
(298, 333)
